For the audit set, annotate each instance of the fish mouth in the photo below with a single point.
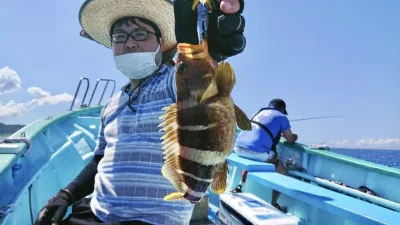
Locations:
(194, 51)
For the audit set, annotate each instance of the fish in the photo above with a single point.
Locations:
(199, 128)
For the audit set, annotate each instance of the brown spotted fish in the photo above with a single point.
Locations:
(200, 127)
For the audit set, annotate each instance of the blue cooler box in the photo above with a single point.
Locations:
(248, 209)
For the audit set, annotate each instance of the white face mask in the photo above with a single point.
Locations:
(138, 65)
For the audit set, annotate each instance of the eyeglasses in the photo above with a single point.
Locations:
(137, 35)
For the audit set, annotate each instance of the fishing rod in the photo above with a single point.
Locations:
(313, 118)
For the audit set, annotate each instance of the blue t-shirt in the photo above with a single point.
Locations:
(257, 139)
(129, 184)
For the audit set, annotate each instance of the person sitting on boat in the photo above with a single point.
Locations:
(124, 177)
(268, 125)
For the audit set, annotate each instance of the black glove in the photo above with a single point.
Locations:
(54, 211)
(225, 31)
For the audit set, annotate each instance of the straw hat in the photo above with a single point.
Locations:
(97, 16)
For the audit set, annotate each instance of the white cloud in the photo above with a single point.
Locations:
(37, 92)
(9, 80)
(383, 143)
(368, 143)
(40, 97)
(12, 108)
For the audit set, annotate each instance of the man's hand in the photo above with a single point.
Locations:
(54, 211)
(225, 27)
(289, 136)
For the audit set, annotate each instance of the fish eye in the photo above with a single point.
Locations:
(181, 68)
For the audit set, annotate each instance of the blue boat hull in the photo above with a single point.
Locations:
(63, 145)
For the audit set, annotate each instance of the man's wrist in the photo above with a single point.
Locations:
(69, 194)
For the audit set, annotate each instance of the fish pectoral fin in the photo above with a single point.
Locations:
(210, 92)
(241, 118)
(174, 196)
(223, 82)
(225, 78)
(219, 183)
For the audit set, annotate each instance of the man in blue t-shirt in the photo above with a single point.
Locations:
(268, 125)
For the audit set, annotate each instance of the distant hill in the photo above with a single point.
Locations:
(9, 129)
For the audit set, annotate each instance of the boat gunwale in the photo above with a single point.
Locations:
(374, 167)
(31, 131)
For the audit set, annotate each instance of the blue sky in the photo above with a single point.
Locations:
(322, 57)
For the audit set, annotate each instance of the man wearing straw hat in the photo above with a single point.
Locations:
(124, 177)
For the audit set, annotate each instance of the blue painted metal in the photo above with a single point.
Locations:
(376, 200)
(310, 203)
(343, 169)
(62, 146)
(249, 165)
(350, 208)
(237, 165)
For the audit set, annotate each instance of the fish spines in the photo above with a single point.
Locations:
(171, 147)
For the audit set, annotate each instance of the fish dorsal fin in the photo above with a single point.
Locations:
(171, 147)
(225, 78)
(211, 91)
(219, 183)
(241, 118)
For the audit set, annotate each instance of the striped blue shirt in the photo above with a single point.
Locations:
(129, 184)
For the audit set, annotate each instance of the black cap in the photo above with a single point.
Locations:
(278, 103)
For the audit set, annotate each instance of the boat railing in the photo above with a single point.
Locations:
(82, 104)
(104, 89)
(77, 90)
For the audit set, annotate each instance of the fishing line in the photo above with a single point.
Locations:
(313, 118)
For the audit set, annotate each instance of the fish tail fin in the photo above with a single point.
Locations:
(242, 121)
(174, 196)
(219, 183)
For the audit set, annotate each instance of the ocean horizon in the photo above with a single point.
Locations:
(372, 149)
(385, 157)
